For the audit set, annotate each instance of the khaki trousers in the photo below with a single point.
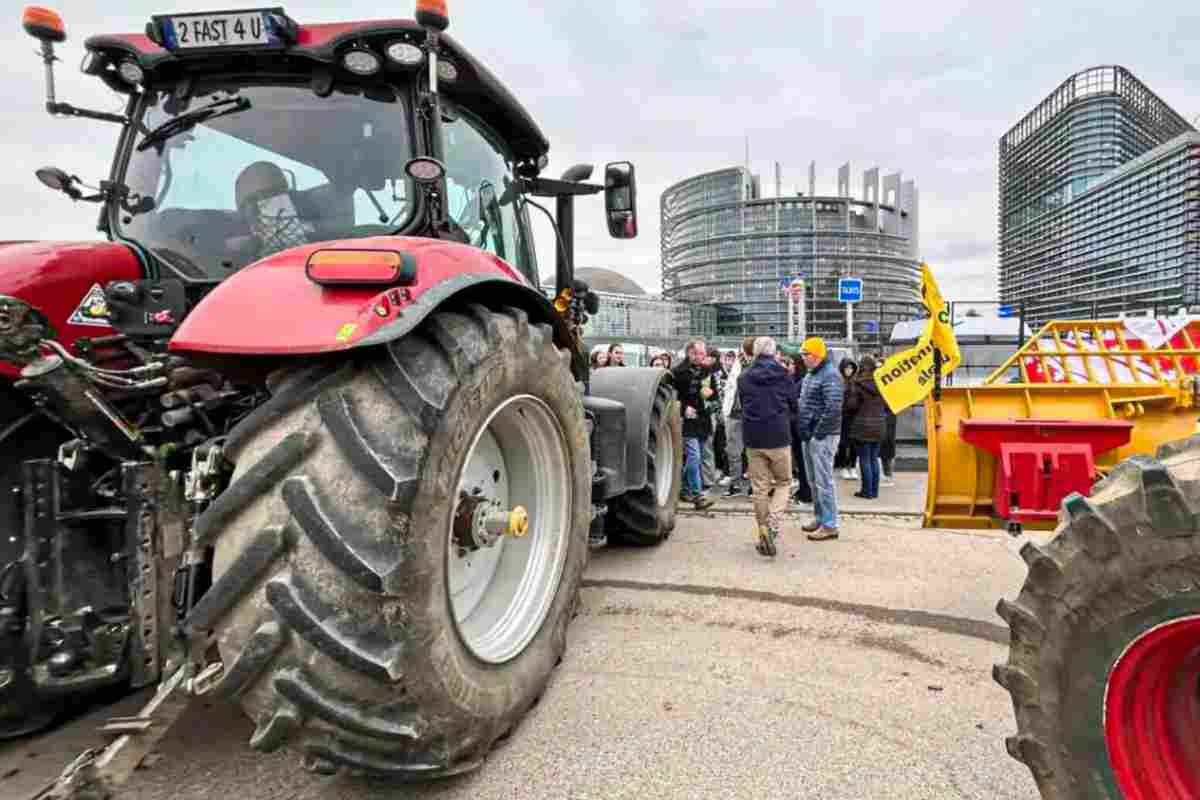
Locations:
(771, 469)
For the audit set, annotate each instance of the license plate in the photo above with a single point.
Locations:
(226, 29)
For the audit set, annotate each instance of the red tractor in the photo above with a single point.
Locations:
(304, 432)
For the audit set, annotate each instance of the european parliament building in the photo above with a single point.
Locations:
(724, 245)
(1099, 191)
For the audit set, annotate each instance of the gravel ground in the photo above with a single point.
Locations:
(854, 669)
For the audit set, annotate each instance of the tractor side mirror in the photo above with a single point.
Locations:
(620, 200)
(58, 180)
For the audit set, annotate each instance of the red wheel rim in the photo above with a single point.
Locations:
(1152, 714)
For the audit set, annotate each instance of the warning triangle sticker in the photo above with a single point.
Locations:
(92, 309)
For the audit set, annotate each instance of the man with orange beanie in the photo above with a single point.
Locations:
(820, 427)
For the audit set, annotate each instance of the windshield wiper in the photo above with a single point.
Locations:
(184, 122)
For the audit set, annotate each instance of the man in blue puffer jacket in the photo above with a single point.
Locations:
(820, 428)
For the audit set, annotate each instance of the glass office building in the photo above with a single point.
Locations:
(724, 245)
(1099, 194)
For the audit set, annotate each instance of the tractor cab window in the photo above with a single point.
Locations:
(281, 169)
(482, 197)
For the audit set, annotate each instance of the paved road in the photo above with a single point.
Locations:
(858, 669)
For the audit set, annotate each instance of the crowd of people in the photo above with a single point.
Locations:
(614, 356)
(778, 429)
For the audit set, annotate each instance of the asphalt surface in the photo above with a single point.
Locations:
(854, 669)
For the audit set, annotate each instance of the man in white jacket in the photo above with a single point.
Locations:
(731, 410)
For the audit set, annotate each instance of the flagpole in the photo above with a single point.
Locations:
(937, 374)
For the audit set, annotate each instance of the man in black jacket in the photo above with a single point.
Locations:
(768, 398)
(697, 425)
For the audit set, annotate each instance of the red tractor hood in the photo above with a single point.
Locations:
(272, 308)
(62, 280)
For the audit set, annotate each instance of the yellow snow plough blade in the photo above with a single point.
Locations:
(1075, 400)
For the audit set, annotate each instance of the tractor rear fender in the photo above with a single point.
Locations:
(484, 289)
(273, 309)
(635, 388)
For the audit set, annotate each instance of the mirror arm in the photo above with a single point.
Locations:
(68, 110)
(548, 187)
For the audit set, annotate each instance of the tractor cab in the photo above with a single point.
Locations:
(246, 133)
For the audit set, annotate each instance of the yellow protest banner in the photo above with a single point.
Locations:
(907, 377)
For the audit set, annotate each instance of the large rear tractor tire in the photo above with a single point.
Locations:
(1104, 665)
(647, 516)
(379, 599)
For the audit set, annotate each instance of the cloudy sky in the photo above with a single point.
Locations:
(923, 88)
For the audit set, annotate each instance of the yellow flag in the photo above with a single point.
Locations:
(939, 313)
(907, 377)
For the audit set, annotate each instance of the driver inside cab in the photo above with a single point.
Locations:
(266, 203)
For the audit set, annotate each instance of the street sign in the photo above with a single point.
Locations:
(850, 290)
(871, 326)
(1006, 311)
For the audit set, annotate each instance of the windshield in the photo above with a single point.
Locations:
(277, 167)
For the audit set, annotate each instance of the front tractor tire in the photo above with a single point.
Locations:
(377, 601)
(1104, 664)
(647, 516)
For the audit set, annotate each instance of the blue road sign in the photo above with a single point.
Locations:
(871, 326)
(850, 290)
(1007, 311)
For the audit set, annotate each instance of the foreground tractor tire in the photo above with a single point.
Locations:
(647, 516)
(1105, 657)
(354, 618)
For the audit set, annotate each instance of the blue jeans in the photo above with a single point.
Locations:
(818, 460)
(693, 453)
(868, 462)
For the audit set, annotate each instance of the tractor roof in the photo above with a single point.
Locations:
(475, 87)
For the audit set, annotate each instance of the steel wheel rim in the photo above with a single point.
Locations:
(1152, 714)
(500, 595)
(664, 454)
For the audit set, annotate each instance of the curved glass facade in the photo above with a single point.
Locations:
(1098, 201)
(1095, 121)
(721, 245)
